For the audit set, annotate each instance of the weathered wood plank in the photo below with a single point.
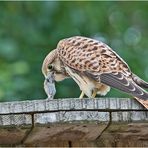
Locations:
(73, 122)
(78, 135)
(38, 106)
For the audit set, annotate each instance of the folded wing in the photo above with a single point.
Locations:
(119, 81)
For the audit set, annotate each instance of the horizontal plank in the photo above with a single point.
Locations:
(71, 109)
(77, 135)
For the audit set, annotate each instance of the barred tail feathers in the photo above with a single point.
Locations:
(139, 81)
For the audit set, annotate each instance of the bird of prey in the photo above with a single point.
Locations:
(95, 67)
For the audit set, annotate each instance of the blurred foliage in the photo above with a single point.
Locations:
(29, 30)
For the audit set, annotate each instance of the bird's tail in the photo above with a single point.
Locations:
(142, 84)
(144, 103)
(139, 81)
(119, 81)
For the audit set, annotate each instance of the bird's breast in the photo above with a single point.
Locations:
(85, 84)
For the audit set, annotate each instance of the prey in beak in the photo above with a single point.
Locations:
(49, 85)
(53, 70)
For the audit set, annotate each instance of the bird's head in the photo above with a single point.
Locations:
(52, 65)
(48, 63)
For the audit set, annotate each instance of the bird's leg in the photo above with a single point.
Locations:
(94, 93)
(81, 95)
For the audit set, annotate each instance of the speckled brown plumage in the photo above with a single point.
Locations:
(87, 54)
(95, 66)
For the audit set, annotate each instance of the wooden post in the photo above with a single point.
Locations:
(74, 122)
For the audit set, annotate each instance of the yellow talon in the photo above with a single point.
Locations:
(81, 95)
(94, 93)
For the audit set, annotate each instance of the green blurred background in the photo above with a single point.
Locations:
(29, 30)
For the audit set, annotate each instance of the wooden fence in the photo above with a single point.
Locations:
(74, 122)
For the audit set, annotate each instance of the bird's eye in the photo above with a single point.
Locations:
(50, 67)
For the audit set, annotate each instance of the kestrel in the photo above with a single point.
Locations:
(95, 67)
